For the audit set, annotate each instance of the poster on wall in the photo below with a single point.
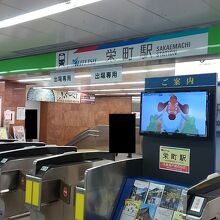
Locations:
(9, 116)
(3, 133)
(19, 133)
(20, 113)
(174, 159)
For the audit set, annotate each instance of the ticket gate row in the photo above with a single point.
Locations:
(50, 189)
(14, 165)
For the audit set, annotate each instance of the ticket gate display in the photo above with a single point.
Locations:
(14, 165)
(50, 189)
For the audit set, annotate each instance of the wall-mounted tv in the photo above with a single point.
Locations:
(179, 113)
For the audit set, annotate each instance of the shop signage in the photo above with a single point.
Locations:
(87, 98)
(48, 95)
(105, 75)
(174, 159)
(180, 44)
(66, 96)
(62, 79)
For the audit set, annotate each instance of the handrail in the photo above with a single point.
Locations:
(82, 135)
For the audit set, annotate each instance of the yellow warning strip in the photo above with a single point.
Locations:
(79, 208)
(36, 193)
(28, 192)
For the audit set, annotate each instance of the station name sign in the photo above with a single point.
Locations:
(180, 44)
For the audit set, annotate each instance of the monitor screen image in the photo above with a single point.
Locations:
(174, 113)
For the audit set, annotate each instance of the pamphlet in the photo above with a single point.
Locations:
(155, 193)
(178, 216)
(130, 209)
(163, 214)
(146, 212)
(171, 197)
(139, 190)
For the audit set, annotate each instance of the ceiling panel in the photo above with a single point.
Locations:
(93, 24)
(182, 12)
(61, 31)
(215, 4)
(8, 12)
(129, 15)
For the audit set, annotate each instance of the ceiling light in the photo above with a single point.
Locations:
(34, 79)
(83, 76)
(44, 12)
(149, 70)
(112, 90)
(23, 70)
(119, 93)
(91, 85)
(132, 72)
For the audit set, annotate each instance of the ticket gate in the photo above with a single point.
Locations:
(14, 165)
(6, 146)
(101, 189)
(50, 189)
(204, 199)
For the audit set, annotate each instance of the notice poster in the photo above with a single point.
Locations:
(163, 214)
(130, 210)
(174, 159)
(139, 190)
(3, 133)
(19, 133)
(155, 193)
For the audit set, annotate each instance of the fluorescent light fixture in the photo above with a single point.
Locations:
(149, 70)
(23, 70)
(132, 72)
(44, 12)
(3, 72)
(111, 90)
(82, 76)
(119, 93)
(34, 79)
(91, 85)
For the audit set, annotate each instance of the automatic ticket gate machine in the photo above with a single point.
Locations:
(97, 195)
(50, 190)
(204, 199)
(14, 165)
(103, 188)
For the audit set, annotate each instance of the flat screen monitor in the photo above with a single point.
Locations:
(182, 113)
